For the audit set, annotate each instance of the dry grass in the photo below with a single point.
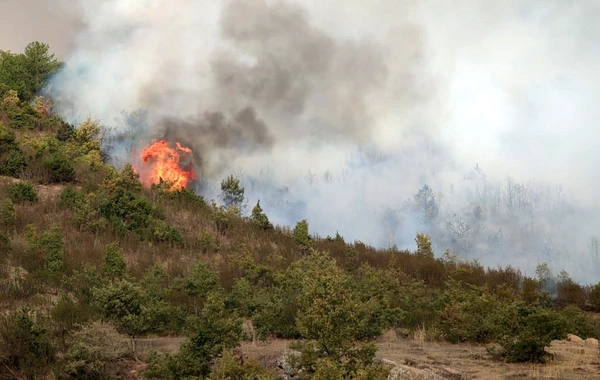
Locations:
(573, 359)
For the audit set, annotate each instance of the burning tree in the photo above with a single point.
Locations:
(162, 163)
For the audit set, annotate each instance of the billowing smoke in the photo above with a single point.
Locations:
(470, 120)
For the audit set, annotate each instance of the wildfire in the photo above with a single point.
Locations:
(160, 161)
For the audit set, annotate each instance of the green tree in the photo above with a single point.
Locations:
(114, 262)
(424, 246)
(259, 218)
(232, 192)
(27, 73)
(332, 318)
(300, 234)
(123, 303)
(212, 332)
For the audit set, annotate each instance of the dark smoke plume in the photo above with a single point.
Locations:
(342, 113)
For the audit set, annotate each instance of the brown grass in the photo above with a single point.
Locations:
(572, 359)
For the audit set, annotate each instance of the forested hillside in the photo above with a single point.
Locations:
(92, 259)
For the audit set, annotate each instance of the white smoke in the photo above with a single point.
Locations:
(364, 103)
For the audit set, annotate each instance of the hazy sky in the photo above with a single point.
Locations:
(24, 21)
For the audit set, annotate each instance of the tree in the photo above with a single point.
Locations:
(595, 297)
(426, 205)
(212, 332)
(259, 218)
(114, 260)
(232, 192)
(333, 319)
(424, 245)
(26, 349)
(27, 73)
(300, 234)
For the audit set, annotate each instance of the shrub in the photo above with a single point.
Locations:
(22, 192)
(25, 346)
(5, 246)
(594, 297)
(579, 323)
(70, 198)
(207, 242)
(127, 211)
(114, 262)
(13, 164)
(524, 331)
(59, 169)
(67, 313)
(162, 232)
(7, 213)
(468, 312)
(92, 348)
(24, 119)
(214, 331)
(65, 131)
(234, 366)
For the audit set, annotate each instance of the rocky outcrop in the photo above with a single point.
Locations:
(404, 372)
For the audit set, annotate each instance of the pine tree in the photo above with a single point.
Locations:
(232, 192)
(300, 234)
(259, 218)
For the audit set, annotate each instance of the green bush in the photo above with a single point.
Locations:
(162, 232)
(114, 262)
(12, 159)
(26, 118)
(71, 198)
(5, 245)
(524, 331)
(92, 348)
(65, 131)
(26, 349)
(467, 314)
(59, 169)
(21, 192)
(212, 332)
(234, 366)
(579, 323)
(13, 164)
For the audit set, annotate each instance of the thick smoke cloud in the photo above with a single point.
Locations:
(342, 113)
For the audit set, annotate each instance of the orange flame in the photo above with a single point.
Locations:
(164, 163)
